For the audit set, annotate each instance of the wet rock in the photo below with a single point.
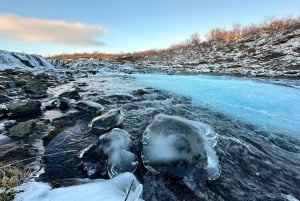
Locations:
(71, 95)
(115, 147)
(4, 98)
(14, 84)
(36, 89)
(180, 147)
(24, 109)
(3, 110)
(58, 124)
(2, 87)
(119, 98)
(63, 103)
(4, 139)
(22, 128)
(91, 107)
(107, 121)
(140, 92)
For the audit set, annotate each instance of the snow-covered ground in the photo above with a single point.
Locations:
(115, 189)
(272, 55)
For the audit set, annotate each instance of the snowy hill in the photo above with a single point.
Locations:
(10, 60)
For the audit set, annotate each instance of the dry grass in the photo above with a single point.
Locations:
(10, 177)
(268, 25)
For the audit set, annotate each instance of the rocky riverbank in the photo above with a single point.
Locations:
(66, 123)
(45, 125)
(275, 54)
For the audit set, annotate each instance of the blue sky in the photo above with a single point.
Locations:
(50, 27)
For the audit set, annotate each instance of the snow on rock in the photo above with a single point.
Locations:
(114, 189)
(9, 60)
(180, 147)
(107, 121)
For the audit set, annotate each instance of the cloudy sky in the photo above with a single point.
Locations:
(51, 27)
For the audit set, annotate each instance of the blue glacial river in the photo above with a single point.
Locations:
(268, 106)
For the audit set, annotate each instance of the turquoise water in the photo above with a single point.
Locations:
(269, 106)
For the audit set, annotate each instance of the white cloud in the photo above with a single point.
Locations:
(40, 30)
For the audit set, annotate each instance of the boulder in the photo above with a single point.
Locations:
(107, 121)
(36, 89)
(22, 128)
(114, 150)
(91, 107)
(180, 147)
(73, 94)
(24, 109)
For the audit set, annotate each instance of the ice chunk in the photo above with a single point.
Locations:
(180, 147)
(105, 190)
(110, 154)
(116, 146)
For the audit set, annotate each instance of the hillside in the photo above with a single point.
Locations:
(274, 54)
(270, 49)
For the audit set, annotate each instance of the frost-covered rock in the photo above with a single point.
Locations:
(22, 128)
(72, 94)
(107, 121)
(105, 190)
(180, 147)
(90, 107)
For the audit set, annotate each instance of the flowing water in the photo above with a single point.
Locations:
(268, 106)
(257, 124)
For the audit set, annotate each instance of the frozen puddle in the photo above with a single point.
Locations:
(272, 107)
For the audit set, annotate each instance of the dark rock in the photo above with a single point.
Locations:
(4, 98)
(107, 121)
(3, 110)
(119, 98)
(71, 95)
(91, 107)
(14, 84)
(36, 89)
(63, 103)
(22, 128)
(140, 92)
(82, 84)
(103, 101)
(24, 109)
(180, 147)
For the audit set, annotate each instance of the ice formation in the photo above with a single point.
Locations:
(98, 190)
(116, 145)
(180, 147)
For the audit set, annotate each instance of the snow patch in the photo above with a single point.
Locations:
(114, 189)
